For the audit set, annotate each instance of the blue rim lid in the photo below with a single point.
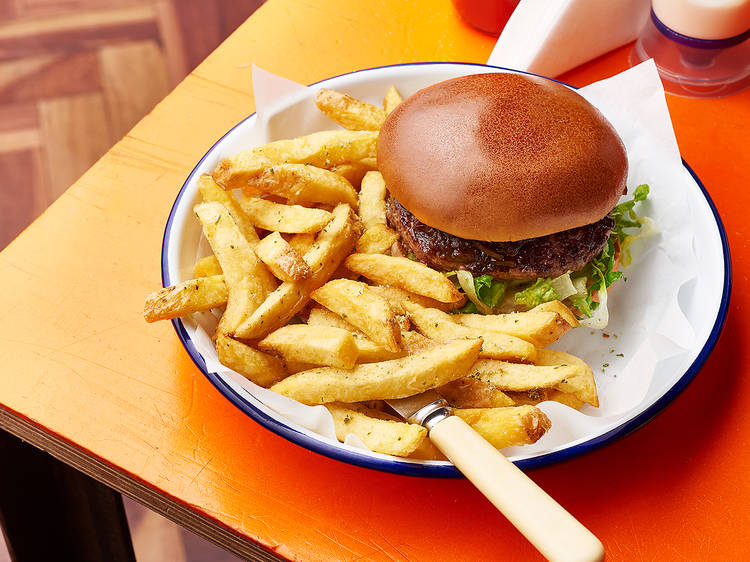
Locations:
(695, 42)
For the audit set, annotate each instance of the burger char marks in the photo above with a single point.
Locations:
(546, 256)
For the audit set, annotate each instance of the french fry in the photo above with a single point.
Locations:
(196, 295)
(302, 242)
(414, 342)
(520, 377)
(403, 322)
(343, 273)
(507, 427)
(283, 260)
(247, 279)
(297, 366)
(386, 436)
(324, 149)
(398, 378)
(213, 193)
(559, 308)
(349, 112)
(298, 182)
(318, 345)
(323, 317)
(529, 397)
(376, 240)
(470, 392)
(581, 384)
(405, 274)
(397, 297)
(353, 172)
(207, 266)
(369, 351)
(391, 100)
(566, 398)
(540, 327)
(438, 325)
(262, 369)
(364, 309)
(283, 218)
(372, 200)
(331, 246)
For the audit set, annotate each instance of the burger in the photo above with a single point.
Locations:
(510, 183)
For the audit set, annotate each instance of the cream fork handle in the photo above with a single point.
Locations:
(543, 521)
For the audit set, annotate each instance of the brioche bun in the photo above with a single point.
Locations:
(502, 157)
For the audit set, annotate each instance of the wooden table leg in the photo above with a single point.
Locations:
(50, 511)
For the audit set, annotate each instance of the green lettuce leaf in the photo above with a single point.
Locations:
(584, 303)
(488, 290)
(541, 291)
(468, 308)
(600, 268)
(626, 218)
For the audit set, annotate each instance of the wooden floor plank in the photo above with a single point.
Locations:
(8, 10)
(233, 12)
(75, 132)
(156, 539)
(134, 79)
(19, 139)
(21, 182)
(44, 8)
(20, 115)
(171, 40)
(49, 76)
(54, 34)
(14, 71)
(200, 25)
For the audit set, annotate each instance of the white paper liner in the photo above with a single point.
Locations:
(647, 324)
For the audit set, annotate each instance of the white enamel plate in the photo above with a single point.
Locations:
(704, 300)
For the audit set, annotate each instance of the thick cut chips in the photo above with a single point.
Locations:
(324, 150)
(398, 378)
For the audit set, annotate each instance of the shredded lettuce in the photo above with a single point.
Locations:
(564, 286)
(599, 271)
(468, 308)
(584, 304)
(483, 292)
(541, 291)
(600, 268)
(600, 317)
(489, 291)
(583, 300)
(467, 283)
(625, 217)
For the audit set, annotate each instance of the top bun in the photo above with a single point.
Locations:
(502, 157)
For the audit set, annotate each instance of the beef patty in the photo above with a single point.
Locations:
(546, 256)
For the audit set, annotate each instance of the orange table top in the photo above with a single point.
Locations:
(83, 373)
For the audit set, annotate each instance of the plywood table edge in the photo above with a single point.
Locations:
(135, 489)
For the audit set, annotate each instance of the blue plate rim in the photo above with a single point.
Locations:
(407, 468)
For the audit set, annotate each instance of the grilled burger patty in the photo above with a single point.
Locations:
(546, 256)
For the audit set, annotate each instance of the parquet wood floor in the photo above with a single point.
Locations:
(76, 75)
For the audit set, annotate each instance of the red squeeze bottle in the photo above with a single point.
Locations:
(486, 15)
